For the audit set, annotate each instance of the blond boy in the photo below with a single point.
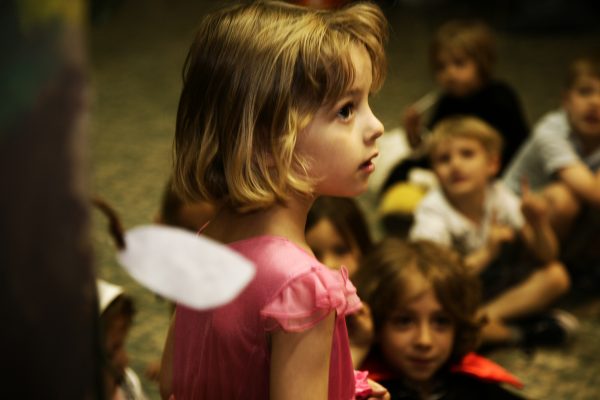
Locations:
(562, 157)
(494, 230)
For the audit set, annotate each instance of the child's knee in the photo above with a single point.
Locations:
(558, 277)
(562, 202)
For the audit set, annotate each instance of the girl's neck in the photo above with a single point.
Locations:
(287, 221)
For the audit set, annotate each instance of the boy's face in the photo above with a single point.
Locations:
(457, 74)
(330, 248)
(417, 338)
(582, 103)
(463, 166)
(339, 143)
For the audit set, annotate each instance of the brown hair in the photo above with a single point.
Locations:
(473, 39)
(347, 218)
(583, 66)
(385, 273)
(467, 127)
(253, 79)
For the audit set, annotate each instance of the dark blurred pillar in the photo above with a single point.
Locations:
(47, 292)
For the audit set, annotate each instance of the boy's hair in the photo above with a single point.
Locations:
(253, 79)
(473, 39)
(385, 273)
(465, 127)
(345, 216)
(583, 66)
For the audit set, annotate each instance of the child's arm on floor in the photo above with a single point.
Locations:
(300, 362)
(537, 232)
(583, 182)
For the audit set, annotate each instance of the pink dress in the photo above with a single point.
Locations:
(224, 353)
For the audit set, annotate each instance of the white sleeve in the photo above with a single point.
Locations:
(551, 137)
(430, 225)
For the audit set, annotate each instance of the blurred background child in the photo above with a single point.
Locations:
(462, 56)
(337, 232)
(561, 160)
(424, 303)
(505, 240)
(338, 235)
(116, 317)
(174, 211)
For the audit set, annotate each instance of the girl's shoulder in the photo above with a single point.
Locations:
(302, 290)
(273, 249)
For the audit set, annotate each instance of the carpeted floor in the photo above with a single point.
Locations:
(136, 57)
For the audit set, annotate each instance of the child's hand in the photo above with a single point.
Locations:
(498, 235)
(360, 327)
(378, 391)
(533, 206)
(411, 120)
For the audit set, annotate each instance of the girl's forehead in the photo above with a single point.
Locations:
(415, 285)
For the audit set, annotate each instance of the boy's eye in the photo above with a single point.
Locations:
(442, 158)
(467, 153)
(346, 111)
(584, 90)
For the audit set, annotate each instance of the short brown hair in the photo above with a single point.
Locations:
(385, 273)
(254, 77)
(474, 39)
(468, 127)
(583, 66)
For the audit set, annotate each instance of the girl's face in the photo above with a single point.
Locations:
(418, 336)
(330, 248)
(339, 143)
(457, 74)
(463, 166)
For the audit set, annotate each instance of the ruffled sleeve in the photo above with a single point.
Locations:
(307, 298)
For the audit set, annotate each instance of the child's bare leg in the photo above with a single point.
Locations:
(563, 208)
(534, 294)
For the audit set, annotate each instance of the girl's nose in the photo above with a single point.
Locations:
(424, 336)
(374, 128)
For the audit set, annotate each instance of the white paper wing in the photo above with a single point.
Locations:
(184, 267)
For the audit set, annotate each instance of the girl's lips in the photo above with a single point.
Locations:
(421, 362)
(367, 166)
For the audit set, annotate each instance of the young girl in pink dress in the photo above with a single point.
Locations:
(274, 112)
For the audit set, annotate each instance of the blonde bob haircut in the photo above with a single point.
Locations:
(254, 77)
(464, 38)
(387, 272)
(465, 127)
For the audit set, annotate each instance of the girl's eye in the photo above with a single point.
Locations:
(442, 321)
(346, 111)
(341, 250)
(401, 321)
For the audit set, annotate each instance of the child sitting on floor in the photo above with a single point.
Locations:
(561, 160)
(424, 303)
(338, 235)
(508, 242)
(116, 317)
